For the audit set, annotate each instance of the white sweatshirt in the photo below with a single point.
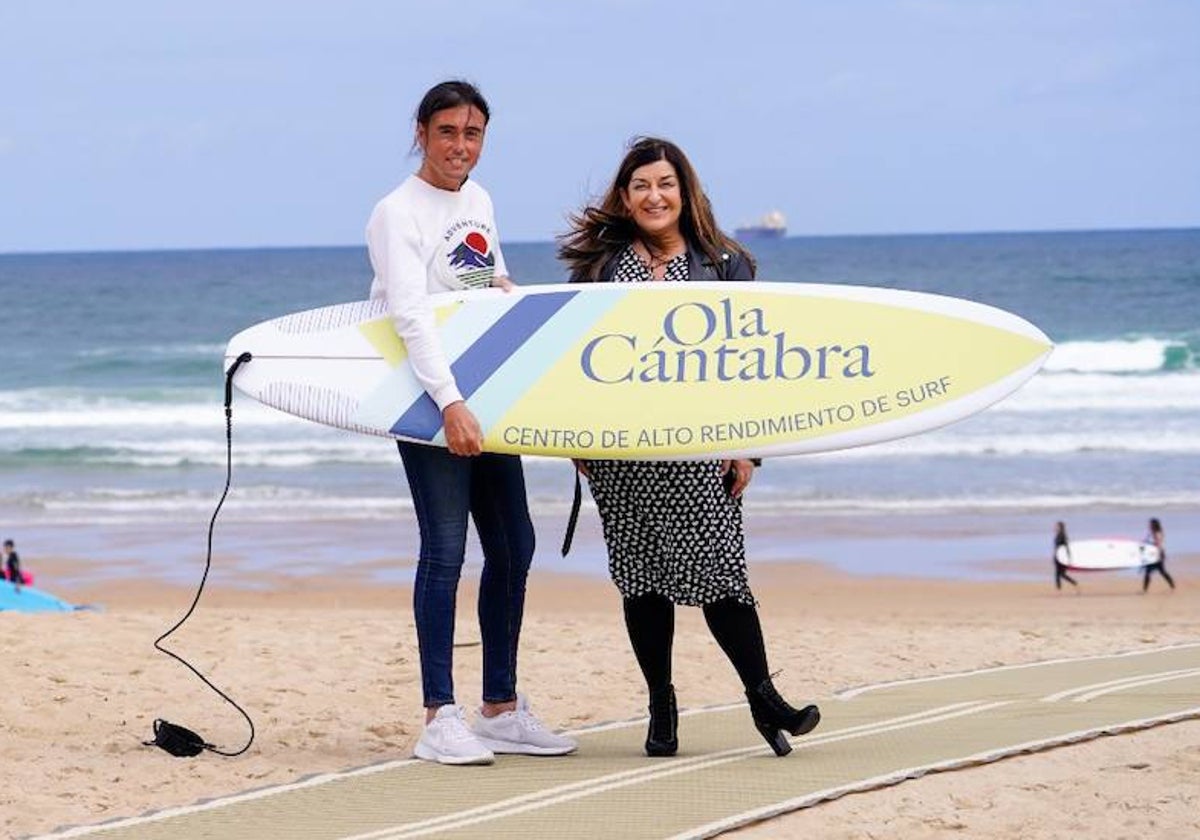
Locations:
(423, 239)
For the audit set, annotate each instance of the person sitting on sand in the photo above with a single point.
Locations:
(1060, 568)
(1155, 537)
(673, 529)
(12, 564)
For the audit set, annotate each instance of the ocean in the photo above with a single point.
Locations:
(111, 419)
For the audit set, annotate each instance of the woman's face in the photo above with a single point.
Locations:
(654, 199)
(451, 143)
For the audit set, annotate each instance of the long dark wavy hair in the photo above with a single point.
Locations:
(599, 231)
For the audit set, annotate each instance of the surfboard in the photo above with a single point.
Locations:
(29, 599)
(1107, 554)
(654, 370)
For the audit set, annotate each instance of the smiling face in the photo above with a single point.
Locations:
(654, 199)
(451, 143)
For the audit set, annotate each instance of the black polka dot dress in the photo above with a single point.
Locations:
(671, 527)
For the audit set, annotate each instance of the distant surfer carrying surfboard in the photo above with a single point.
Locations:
(437, 232)
(1060, 568)
(673, 529)
(1154, 537)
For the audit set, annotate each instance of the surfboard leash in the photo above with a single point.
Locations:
(573, 517)
(175, 739)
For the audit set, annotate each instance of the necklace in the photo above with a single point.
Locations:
(653, 261)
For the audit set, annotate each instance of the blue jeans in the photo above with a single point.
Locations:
(491, 488)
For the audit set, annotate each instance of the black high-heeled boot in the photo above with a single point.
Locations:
(773, 716)
(662, 738)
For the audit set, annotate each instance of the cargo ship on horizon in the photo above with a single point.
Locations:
(771, 226)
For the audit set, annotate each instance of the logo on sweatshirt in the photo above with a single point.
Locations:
(471, 254)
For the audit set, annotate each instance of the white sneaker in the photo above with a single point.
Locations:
(520, 732)
(447, 740)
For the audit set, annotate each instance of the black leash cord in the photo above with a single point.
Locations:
(161, 727)
(573, 518)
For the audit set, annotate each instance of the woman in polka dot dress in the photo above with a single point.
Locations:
(674, 528)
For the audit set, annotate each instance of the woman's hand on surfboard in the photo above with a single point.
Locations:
(463, 435)
(737, 475)
(504, 283)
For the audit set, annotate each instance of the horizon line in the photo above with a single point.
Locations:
(880, 235)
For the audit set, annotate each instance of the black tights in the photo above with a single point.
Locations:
(650, 620)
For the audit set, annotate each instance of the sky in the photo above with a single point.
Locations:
(151, 124)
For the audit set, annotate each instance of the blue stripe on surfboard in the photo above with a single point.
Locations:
(398, 390)
(476, 364)
(536, 356)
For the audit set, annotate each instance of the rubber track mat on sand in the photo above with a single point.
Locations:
(724, 775)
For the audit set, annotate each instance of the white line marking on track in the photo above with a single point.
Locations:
(1149, 680)
(1116, 685)
(849, 693)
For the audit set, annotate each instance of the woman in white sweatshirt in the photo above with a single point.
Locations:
(437, 232)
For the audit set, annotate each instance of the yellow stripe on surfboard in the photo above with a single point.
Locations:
(382, 334)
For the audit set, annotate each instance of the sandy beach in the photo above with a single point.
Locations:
(328, 670)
